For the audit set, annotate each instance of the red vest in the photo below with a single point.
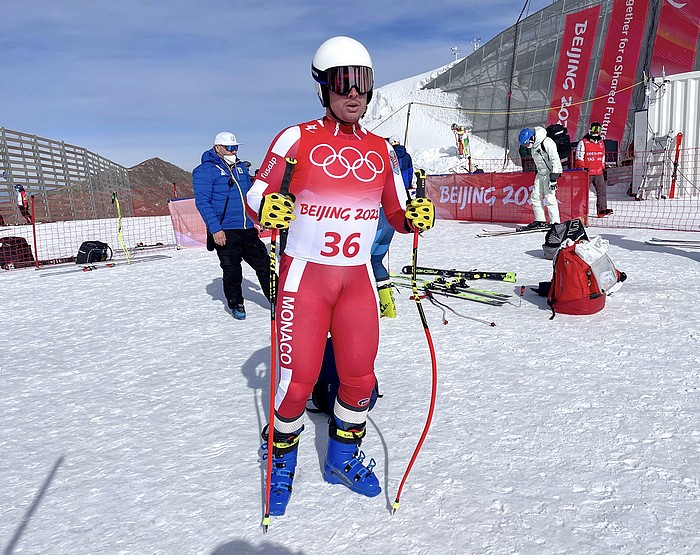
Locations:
(593, 157)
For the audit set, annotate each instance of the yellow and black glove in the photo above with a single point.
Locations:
(420, 214)
(276, 211)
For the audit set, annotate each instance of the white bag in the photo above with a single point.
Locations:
(594, 253)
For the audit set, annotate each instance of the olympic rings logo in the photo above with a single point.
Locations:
(338, 165)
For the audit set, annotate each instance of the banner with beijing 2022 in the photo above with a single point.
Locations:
(572, 69)
(502, 197)
(619, 65)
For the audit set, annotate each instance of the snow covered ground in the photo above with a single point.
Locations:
(132, 404)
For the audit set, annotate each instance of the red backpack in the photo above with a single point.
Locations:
(574, 288)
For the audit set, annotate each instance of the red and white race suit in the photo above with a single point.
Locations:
(342, 176)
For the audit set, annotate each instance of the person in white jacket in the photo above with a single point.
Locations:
(544, 154)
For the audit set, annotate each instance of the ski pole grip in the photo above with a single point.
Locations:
(287, 177)
(420, 183)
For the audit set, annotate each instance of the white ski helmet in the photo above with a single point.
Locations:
(342, 52)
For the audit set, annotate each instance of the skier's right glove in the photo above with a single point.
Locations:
(276, 211)
(553, 180)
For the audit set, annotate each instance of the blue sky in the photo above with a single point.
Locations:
(135, 79)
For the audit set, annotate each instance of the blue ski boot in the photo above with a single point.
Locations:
(284, 463)
(345, 461)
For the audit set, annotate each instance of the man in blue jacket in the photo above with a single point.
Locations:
(220, 184)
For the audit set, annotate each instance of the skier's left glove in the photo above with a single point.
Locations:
(420, 214)
(276, 211)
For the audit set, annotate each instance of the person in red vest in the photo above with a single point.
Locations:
(590, 155)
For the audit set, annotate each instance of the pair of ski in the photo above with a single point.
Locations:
(691, 244)
(463, 274)
(505, 233)
(455, 287)
(106, 264)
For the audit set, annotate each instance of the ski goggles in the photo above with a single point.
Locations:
(341, 80)
(596, 128)
(230, 148)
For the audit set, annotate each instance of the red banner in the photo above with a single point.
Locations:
(188, 225)
(676, 38)
(572, 69)
(619, 65)
(502, 197)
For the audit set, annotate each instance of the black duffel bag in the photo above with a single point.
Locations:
(558, 233)
(93, 251)
(15, 252)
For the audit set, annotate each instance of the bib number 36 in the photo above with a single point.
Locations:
(335, 245)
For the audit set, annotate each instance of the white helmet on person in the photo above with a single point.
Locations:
(340, 64)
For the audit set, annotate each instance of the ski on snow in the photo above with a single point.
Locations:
(453, 288)
(435, 290)
(693, 244)
(455, 283)
(464, 274)
(459, 294)
(504, 233)
(106, 264)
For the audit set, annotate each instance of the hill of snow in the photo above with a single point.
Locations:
(421, 119)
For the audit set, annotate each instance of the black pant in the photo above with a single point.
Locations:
(25, 212)
(243, 244)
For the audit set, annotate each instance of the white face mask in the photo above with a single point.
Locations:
(231, 158)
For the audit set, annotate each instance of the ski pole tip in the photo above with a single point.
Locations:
(395, 507)
(265, 524)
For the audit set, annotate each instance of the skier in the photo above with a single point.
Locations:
(590, 155)
(23, 203)
(546, 159)
(341, 176)
(461, 138)
(385, 233)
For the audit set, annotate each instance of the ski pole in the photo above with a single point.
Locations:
(442, 306)
(273, 374)
(120, 235)
(34, 232)
(433, 360)
(284, 189)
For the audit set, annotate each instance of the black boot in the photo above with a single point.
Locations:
(533, 225)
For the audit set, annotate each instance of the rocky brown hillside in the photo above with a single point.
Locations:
(154, 182)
